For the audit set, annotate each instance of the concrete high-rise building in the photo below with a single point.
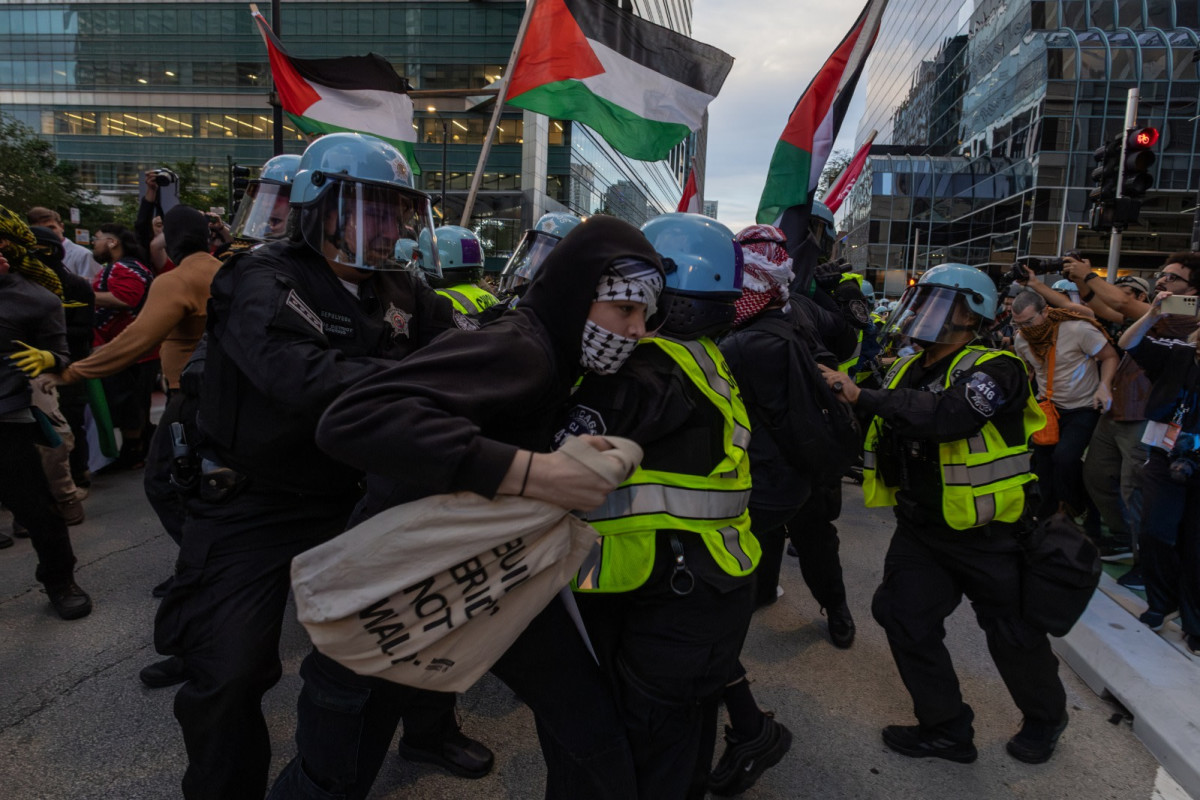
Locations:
(988, 114)
(120, 86)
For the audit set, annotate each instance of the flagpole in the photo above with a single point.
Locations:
(501, 93)
(699, 190)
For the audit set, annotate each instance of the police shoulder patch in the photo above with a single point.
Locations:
(582, 421)
(307, 314)
(465, 322)
(984, 395)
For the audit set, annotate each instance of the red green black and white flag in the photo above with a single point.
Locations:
(640, 86)
(807, 139)
(840, 189)
(361, 94)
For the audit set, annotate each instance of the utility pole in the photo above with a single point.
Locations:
(276, 107)
(1114, 240)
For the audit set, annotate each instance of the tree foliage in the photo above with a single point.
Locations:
(31, 175)
(835, 166)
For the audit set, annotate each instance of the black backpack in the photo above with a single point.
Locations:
(826, 439)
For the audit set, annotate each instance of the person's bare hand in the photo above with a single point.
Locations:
(841, 384)
(1076, 269)
(1102, 399)
(559, 479)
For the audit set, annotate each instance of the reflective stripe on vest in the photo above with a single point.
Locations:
(468, 298)
(714, 506)
(982, 475)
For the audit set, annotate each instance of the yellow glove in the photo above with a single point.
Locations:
(31, 361)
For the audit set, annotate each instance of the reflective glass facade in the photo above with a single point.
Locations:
(119, 87)
(988, 114)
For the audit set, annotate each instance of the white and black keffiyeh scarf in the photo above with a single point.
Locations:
(628, 279)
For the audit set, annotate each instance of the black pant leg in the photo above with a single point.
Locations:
(23, 489)
(344, 729)
(815, 538)
(912, 603)
(1163, 506)
(582, 735)
(768, 526)
(72, 401)
(163, 497)
(989, 567)
(223, 616)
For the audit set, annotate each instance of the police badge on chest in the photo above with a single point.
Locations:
(399, 320)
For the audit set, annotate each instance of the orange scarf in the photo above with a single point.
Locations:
(1042, 337)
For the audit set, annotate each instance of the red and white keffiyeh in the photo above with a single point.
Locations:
(767, 271)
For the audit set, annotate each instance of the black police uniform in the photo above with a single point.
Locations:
(284, 338)
(930, 566)
(451, 418)
(671, 645)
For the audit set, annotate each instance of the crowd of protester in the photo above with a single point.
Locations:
(304, 353)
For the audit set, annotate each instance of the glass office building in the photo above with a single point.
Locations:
(120, 87)
(989, 113)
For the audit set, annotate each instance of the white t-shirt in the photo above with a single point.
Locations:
(1076, 373)
(79, 259)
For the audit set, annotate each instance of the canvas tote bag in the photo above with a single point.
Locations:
(431, 593)
(1049, 434)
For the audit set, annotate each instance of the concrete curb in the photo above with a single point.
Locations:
(1157, 682)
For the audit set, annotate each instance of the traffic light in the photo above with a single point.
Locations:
(1105, 175)
(1137, 180)
(239, 179)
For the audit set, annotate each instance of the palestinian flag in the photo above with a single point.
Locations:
(808, 137)
(641, 86)
(840, 189)
(690, 201)
(361, 94)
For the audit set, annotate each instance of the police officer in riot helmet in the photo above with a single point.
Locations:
(535, 245)
(681, 568)
(263, 213)
(958, 528)
(291, 325)
(460, 255)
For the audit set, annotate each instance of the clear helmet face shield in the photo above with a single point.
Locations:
(932, 315)
(526, 259)
(360, 224)
(262, 215)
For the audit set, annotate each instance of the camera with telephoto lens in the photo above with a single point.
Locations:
(165, 177)
(1184, 461)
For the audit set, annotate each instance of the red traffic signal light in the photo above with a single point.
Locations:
(1142, 139)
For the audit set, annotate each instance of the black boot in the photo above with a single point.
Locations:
(69, 600)
(456, 753)
(161, 674)
(1035, 742)
(841, 625)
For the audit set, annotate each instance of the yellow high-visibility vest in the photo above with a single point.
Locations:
(467, 298)
(712, 505)
(982, 475)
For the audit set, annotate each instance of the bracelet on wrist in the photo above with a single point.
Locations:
(1090, 275)
(1087, 298)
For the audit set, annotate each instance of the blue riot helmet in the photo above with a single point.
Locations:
(1063, 285)
(947, 301)
(704, 274)
(868, 291)
(263, 213)
(535, 245)
(823, 230)
(460, 255)
(356, 202)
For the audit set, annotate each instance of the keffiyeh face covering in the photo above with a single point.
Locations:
(767, 271)
(635, 281)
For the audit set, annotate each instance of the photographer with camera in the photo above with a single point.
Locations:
(1065, 349)
(1111, 470)
(148, 225)
(1170, 543)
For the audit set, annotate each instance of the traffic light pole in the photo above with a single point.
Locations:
(1114, 240)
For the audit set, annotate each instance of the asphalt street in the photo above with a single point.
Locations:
(76, 723)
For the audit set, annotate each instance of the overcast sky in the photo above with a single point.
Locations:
(778, 46)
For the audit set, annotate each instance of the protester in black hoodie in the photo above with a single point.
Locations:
(477, 411)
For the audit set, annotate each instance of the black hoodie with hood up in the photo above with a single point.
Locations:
(452, 416)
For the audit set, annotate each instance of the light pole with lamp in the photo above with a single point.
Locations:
(445, 137)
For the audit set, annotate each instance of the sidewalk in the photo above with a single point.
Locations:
(1151, 674)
